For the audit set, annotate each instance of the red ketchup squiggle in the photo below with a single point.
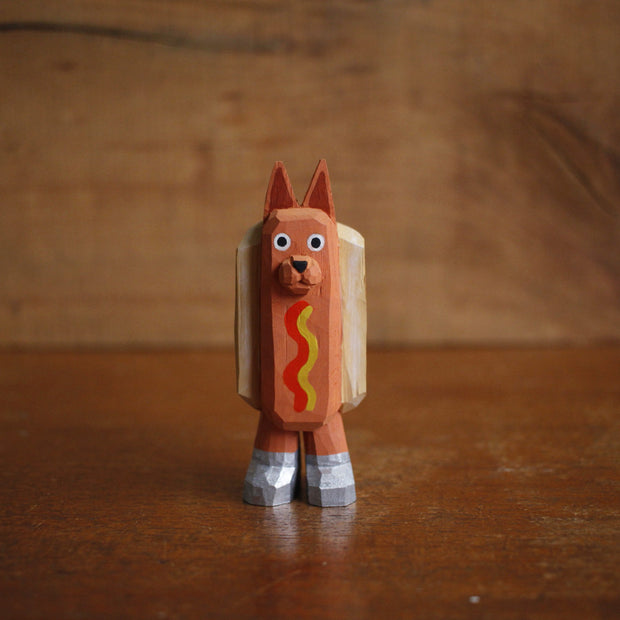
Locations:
(291, 372)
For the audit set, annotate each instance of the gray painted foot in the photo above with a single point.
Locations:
(271, 478)
(330, 479)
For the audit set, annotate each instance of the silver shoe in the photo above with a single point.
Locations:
(330, 479)
(271, 478)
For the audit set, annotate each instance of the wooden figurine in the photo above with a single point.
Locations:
(300, 342)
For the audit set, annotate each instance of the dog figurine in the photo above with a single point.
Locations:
(300, 342)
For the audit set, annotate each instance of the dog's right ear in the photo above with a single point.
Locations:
(280, 192)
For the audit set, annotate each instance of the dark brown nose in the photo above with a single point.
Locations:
(300, 265)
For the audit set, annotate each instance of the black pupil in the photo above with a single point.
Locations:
(281, 241)
(315, 242)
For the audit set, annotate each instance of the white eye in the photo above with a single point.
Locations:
(282, 241)
(316, 242)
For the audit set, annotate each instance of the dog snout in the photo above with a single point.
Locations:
(299, 273)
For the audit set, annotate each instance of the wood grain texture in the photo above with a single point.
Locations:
(475, 146)
(351, 253)
(487, 480)
(247, 316)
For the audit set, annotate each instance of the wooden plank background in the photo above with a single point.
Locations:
(475, 146)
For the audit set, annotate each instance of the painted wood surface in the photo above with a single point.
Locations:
(354, 314)
(300, 313)
(475, 145)
(487, 485)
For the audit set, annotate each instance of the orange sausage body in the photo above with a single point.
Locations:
(301, 350)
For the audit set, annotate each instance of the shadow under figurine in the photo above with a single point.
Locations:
(300, 329)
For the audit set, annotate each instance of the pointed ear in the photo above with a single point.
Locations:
(279, 193)
(319, 194)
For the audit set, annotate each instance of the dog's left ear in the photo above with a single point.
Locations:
(279, 193)
(319, 194)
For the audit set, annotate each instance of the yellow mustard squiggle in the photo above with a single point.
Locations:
(313, 353)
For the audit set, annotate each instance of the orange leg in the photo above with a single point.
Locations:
(328, 439)
(270, 438)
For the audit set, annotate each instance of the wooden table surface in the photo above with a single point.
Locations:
(488, 487)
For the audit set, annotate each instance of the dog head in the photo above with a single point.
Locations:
(300, 242)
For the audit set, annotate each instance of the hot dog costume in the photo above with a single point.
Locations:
(300, 328)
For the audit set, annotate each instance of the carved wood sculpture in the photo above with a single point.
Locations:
(300, 342)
